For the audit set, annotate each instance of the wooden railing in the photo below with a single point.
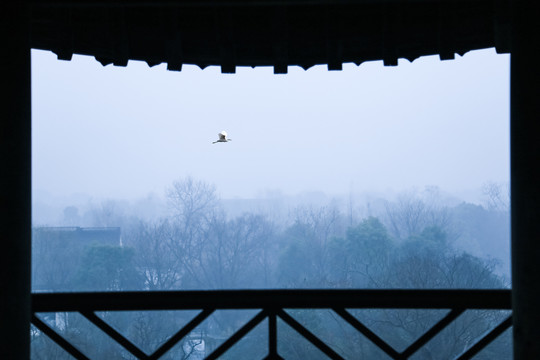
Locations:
(271, 305)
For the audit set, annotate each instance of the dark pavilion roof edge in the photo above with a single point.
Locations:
(274, 33)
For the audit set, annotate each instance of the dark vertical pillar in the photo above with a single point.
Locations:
(525, 180)
(15, 183)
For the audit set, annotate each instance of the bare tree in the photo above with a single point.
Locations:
(497, 196)
(193, 205)
(191, 202)
(160, 269)
(107, 213)
(307, 258)
(412, 212)
(238, 252)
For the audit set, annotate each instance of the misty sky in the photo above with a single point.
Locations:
(123, 132)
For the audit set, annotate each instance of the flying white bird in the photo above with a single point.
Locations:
(222, 137)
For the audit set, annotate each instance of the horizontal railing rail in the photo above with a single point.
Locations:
(272, 305)
(256, 299)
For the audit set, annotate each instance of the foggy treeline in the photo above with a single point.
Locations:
(414, 240)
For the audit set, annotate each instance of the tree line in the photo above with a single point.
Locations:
(199, 246)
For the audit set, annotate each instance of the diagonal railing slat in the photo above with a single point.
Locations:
(181, 334)
(115, 335)
(364, 330)
(308, 335)
(486, 339)
(58, 339)
(432, 332)
(237, 335)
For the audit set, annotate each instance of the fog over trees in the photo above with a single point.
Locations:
(417, 239)
(106, 135)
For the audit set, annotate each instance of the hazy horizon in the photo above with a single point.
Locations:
(124, 133)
